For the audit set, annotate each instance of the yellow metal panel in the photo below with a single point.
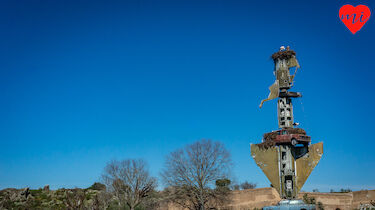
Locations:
(267, 160)
(307, 163)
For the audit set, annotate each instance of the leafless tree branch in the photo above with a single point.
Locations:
(129, 180)
(190, 174)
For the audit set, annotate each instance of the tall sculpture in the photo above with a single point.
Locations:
(286, 156)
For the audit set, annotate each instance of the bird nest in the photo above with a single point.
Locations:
(287, 54)
(266, 145)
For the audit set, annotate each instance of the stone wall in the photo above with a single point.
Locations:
(350, 200)
(332, 200)
(253, 198)
(363, 197)
(258, 198)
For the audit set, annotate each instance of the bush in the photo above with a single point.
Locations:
(345, 190)
(97, 186)
(222, 183)
(308, 200)
(248, 185)
(236, 187)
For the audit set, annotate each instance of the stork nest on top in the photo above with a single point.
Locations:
(287, 54)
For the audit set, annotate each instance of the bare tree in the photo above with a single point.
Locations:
(248, 185)
(130, 181)
(190, 175)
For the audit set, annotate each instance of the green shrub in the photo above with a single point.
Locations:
(97, 186)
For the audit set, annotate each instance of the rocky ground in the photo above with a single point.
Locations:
(26, 198)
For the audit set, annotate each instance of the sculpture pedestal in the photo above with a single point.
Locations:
(291, 205)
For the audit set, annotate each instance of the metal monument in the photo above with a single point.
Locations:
(286, 156)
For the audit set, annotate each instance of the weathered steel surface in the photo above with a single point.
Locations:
(307, 163)
(268, 161)
(286, 159)
(274, 92)
(287, 172)
(285, 112)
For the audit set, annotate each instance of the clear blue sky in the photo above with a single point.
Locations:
(83, 82)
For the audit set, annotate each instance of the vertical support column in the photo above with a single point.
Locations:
(282, 73)
(285, 112)
(285, 118)
(287, 172)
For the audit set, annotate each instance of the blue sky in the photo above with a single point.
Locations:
(84, 82)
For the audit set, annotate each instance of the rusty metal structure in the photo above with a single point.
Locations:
(286, 156)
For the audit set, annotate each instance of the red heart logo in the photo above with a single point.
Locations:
(354, 17)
